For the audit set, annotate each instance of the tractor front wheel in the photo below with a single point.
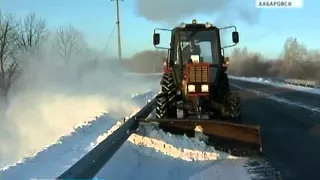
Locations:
(234, 107)
(165, 108)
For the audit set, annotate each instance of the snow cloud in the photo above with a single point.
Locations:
(49, 100)
(172, 12)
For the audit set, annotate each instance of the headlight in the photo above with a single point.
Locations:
(204, 88)
(191, 88)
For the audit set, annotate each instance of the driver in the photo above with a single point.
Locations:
(190, 49)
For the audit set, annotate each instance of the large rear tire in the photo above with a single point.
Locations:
(168, 86)
(166, 101)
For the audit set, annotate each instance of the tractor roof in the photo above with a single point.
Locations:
(194, 25)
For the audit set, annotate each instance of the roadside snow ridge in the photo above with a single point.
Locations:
(181, 147)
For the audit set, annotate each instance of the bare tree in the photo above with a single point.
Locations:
(314, 55)
(295, 56)
(8, 64)
(69, 42)
(245, 63)
(31, 33)
(294, 51)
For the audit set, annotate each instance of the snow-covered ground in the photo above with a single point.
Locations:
(60, 155)
(53, 160)
(151, 151)
(163, 156)
(277, 84)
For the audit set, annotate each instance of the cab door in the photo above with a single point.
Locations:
(176, 64)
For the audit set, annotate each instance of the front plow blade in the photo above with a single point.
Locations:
(236, 139)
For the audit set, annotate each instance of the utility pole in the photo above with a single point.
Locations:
(118, 27)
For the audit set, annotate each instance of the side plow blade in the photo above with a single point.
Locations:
(236, 139)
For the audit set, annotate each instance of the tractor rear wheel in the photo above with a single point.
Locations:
(165, 109)
(166, 101)
(168, 86)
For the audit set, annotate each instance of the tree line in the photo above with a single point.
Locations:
(295, 61)
(148, 61)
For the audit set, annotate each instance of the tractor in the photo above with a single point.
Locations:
(195, 81)
(195, 90)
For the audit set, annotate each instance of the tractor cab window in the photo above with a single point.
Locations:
(201, 43)
(206, 52)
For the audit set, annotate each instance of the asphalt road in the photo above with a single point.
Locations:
(290, 134)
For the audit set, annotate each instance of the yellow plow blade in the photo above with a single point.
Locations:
(237, 139)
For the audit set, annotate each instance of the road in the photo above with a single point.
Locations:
(290, 134)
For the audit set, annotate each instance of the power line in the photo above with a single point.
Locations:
(109, 38)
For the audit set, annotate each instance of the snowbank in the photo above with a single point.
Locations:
(153, 154)
(61, 154)
(55, 159)
(182, 147)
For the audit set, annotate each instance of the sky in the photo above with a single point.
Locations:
(265, 32)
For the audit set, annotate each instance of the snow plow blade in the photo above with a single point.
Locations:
(236, 139)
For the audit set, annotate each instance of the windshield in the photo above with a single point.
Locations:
(202, 43)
